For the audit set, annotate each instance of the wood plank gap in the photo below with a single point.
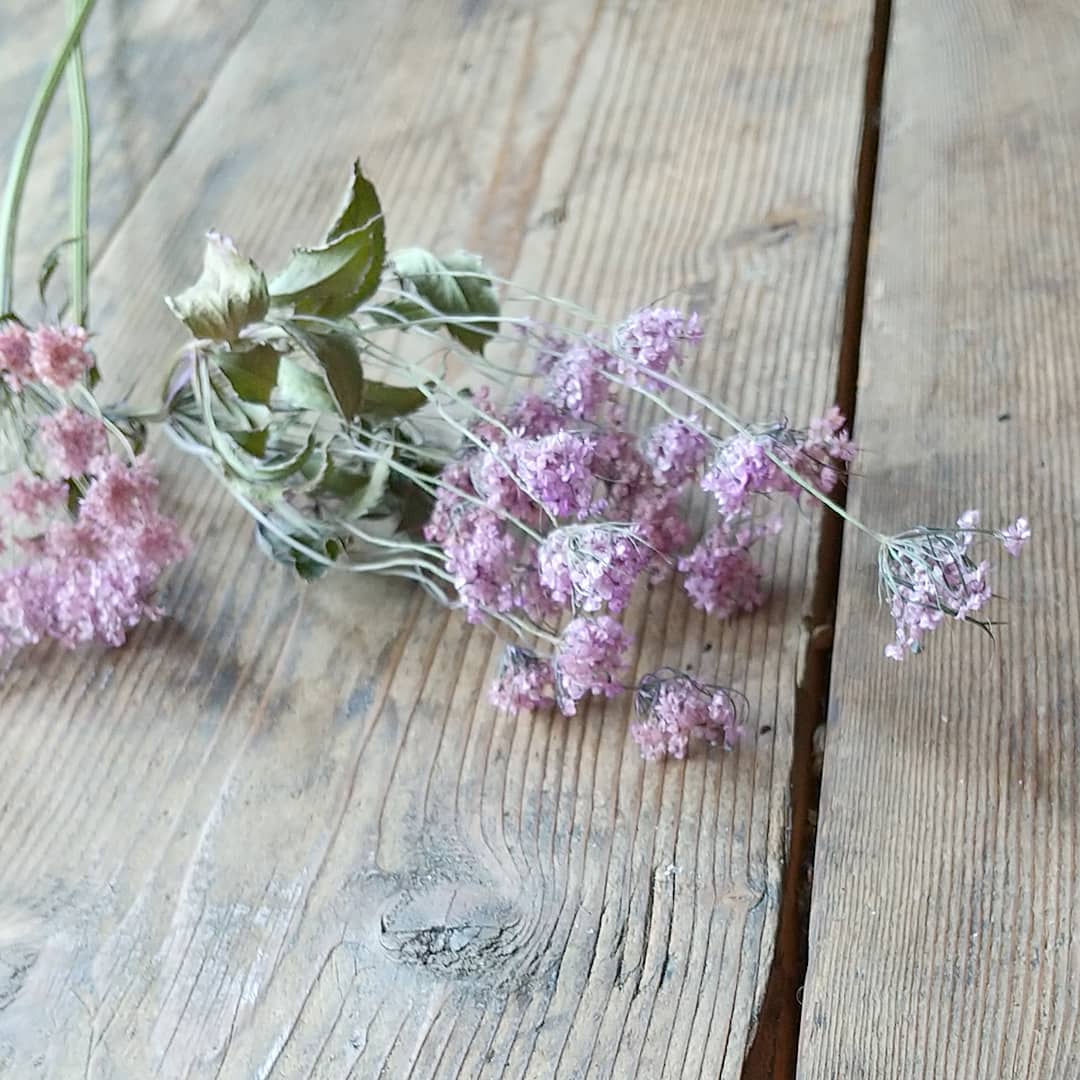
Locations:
(773, 1050)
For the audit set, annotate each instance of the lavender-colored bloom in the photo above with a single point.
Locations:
(73, 442)
(653, 340)
(673, 708)
(592, 566)
(556, 471)
(480, 553)
(15, 354)
(927, 576)
(740, 470)
(577, 382)
(748, 464)
(1015, 536)
(59, 355)
(525, 681)
(92, 579)
(720, 575)
(677, 450)
(590, 660)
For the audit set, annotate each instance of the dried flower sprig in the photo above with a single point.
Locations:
(927, 575)
(537, 511)
(83, 541)
(674, 708)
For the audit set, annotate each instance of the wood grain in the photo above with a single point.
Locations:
(282, 834)
(944, 932)
(149, 65)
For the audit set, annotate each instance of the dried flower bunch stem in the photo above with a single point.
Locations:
(383, 413)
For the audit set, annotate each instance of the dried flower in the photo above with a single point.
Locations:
(677, 450)
(1015, 536)
(525, 681)
(749, 464)
(577, 383)
(59, 355)
(91, 577)
(15, 354)
(556, 471)
(652, 340)
(927, 575)
(674, 708)
(73, 442)
(590, 660)
(721, 577)
(592, 566)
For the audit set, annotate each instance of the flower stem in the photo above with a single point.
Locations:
(733, 421)
(80, 178)
(24, 149)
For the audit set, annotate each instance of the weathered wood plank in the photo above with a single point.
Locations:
(944, 922)
(148, 67)
(283, 834)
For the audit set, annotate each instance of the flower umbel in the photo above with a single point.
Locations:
(927, 575)
(673, 708)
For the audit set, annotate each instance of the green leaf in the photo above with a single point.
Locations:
(308, 568)
(301, 389)
(372, 494)
(252, 442)
(385, 402)
(230, 294)
(457, 288)
(233, 413)
(339, 275)
(253, 372)
(48, 268)
(339, 359)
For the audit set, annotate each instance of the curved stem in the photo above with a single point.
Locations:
(24, 149)
(733, 421)
(80, 179)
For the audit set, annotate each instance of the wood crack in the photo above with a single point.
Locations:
(773, 1050)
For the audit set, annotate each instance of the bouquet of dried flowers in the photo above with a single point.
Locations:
(384, 412)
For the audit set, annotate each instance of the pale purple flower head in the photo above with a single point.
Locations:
(720, 575)
(480, 553)
(74, 443)
(589, 567)
(59, 355)
(1015, 536)
(577, 382)
(673, 708)
(556, 471)
(90, 578)
(525, 681)
(927, 576)
(591, 660)
(32, 497)
(15, 354)
(749, 464)
(677, 450)
(653, 340)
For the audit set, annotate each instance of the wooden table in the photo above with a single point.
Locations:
(283, 835)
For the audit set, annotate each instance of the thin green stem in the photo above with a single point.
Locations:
(19, 169)
(80, 179)
(733, 421)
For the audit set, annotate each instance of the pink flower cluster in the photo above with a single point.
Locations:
(83, 534)
(553, 513)
(56, 356)
(653, 340)
(927, 576)
(673, 708)
(749, 465)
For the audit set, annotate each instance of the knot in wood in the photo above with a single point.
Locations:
(455, 930)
